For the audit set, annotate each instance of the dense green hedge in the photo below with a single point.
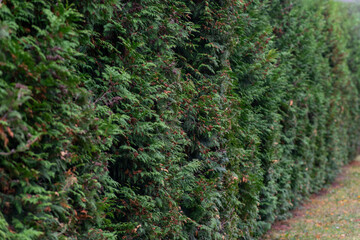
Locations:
(171, 119)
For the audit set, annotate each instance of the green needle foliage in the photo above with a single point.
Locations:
(179, 119)
(53, 167)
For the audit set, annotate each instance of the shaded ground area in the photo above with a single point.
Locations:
(334, 213)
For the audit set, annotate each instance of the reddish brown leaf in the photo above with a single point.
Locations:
(10, 132)
(3, 136)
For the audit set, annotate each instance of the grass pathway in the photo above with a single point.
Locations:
(332, 214)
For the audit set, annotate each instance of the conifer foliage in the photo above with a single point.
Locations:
(52, 166)
(182, 119)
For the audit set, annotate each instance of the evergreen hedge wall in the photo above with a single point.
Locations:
(179, 119)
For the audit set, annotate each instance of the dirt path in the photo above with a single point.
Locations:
(332, 214)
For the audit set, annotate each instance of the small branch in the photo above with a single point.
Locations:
(104, 94)
(8, 153)
(12, 151)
